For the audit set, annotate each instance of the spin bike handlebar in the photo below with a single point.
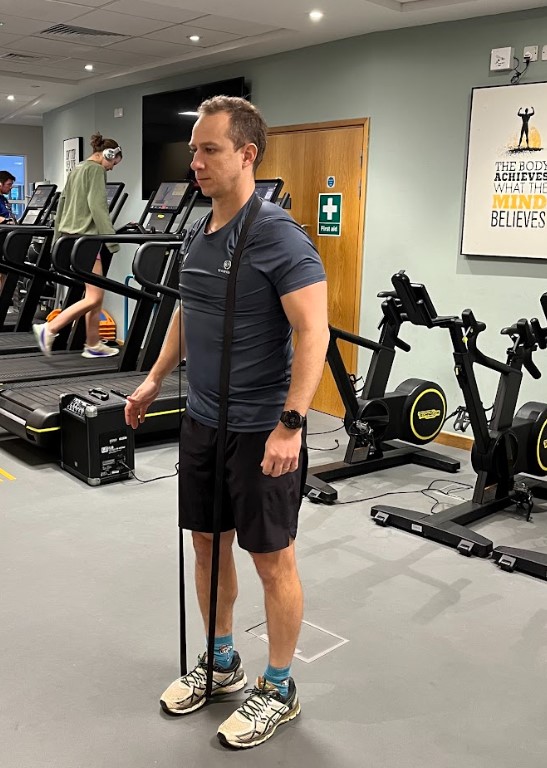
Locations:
(471, 327)
(540, 333)
(416, 303)
(522, 335)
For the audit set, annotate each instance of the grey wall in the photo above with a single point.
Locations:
(415, 85)
(25, 140)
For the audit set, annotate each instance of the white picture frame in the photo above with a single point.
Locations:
(72, 154)
(505, 199)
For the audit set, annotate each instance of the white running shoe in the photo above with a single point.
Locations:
(258, 717)
(188, 692)
(44, 338)
(100, 350)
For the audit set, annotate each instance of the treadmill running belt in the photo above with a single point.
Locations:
(31, 367)
(11, 342)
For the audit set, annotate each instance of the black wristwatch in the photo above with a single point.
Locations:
(292, 419)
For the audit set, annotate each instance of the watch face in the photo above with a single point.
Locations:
(292, 419)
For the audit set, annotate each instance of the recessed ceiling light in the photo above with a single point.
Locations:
(1, 23)
(192, 114)
(89, 67)
(316, 15)
(11, 97)
(194, 38)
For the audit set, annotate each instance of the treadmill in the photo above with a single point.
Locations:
(39, 210)
(16, 262)
(32, 411)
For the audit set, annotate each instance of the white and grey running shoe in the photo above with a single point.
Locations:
(44, 338)
(258, 717)
(188, 692)
(100, 350)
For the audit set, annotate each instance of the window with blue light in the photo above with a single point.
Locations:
(17, 166)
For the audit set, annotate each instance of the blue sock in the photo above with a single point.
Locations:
(224, 651)
(278, 676)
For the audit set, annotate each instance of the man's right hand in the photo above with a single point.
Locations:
(139, 402)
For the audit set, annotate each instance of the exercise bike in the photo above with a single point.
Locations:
(504, 446)
(384, 428)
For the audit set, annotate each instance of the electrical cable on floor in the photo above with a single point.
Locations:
(418, 490)
(330, 448)
(150, 479)
(328, 432)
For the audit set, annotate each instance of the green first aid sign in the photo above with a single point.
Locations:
(329, 215)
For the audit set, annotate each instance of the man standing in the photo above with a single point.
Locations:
(6, 214)
(6, 183)
(280, 286)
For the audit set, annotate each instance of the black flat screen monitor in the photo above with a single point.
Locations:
(41, 196)
(169, 195)
(167, 122)
(268, 189)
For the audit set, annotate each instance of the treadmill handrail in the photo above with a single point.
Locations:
(80, 253)
(27, 268)
(138, 268)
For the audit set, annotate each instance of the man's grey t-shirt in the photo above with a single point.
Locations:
(278, 258)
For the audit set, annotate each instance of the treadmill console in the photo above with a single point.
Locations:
(41, 199)
(166, 204)
(42, 195)
(113, 191)
(269, 189)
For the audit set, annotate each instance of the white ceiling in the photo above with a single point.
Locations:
(133, 41)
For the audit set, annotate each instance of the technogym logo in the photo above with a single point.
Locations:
(432, 413)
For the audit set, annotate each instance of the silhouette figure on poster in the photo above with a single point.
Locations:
(525, 115)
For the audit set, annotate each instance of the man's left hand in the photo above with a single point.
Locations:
(282, 451)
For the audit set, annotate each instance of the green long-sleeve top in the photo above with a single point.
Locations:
(83, 207)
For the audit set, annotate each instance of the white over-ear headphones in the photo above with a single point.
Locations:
(111, 153)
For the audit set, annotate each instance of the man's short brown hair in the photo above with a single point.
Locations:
(247, 126)
(6, 176)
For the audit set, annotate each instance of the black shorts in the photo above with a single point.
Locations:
(262, 509)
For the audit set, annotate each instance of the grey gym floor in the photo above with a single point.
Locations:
(445, 664)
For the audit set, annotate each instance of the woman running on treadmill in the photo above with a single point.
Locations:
(83, 210)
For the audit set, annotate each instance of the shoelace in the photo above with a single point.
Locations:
(196, 675)
(257, 702)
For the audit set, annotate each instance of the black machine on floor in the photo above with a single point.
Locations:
(505, 446)
(96, 444)
(31, 410)
(384, 428)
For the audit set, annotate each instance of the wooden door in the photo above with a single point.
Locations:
(305, 157)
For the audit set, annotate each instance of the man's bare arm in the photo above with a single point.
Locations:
(172, 353)
(306, 310)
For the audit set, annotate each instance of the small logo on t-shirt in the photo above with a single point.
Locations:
(226, 267)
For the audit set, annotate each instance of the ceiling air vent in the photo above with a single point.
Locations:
(20, 58)
(80, 34)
